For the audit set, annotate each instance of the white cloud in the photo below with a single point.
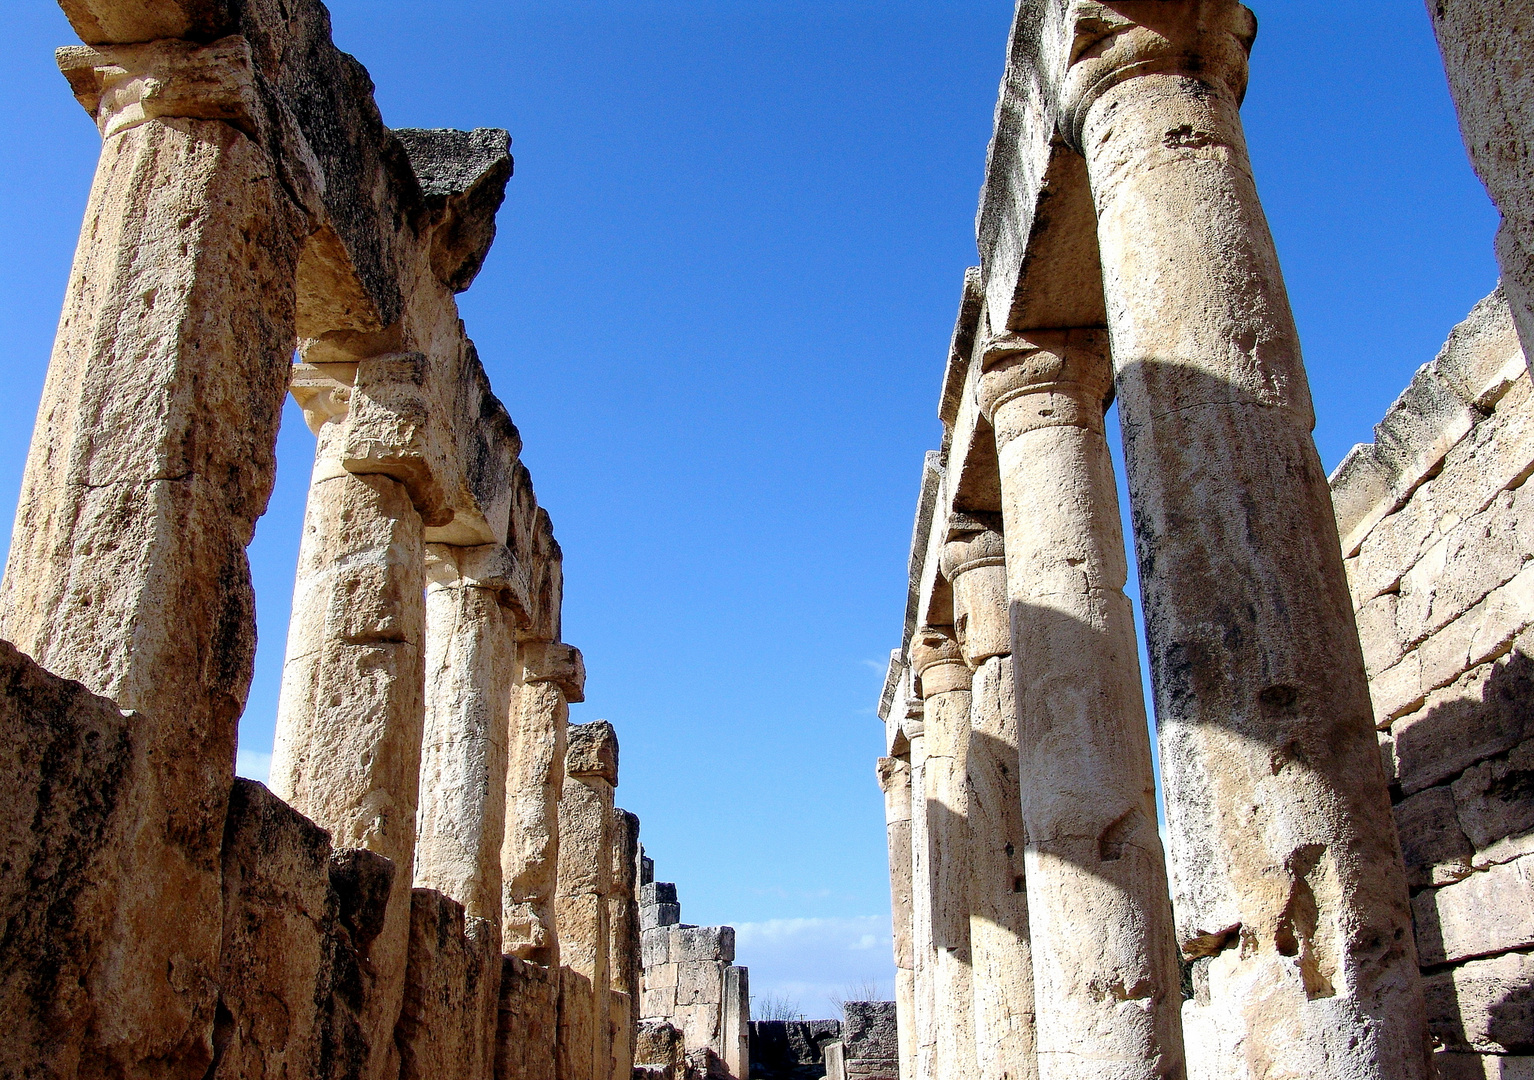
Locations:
(816, 960)
(252, 765)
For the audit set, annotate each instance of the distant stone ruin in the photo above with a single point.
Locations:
(1039, 929)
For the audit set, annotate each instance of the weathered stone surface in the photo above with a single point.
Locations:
(529, 1013)
(593, 751)
(895, 780)
(75, 843)
(944, 678)
(1452, 1066)
(1483, 713)
(463, 176)
(1485, 1006)
(452, 996)
(1000, 945)
(280, 924)
(1495, 802)
(870, 1036)
(1433, 845)
(1484, 914)
(1274, 796)
(791, 1049)
(659, 1045)
(530, 854)
(152, 457)
(1096, 885)
(1485, 46)
(469, 673)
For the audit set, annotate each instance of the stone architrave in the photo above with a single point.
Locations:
(470, 654)
(1290, 891)
(895, 781)
(581, 900)
(1106, 981)
(944, 683)
(1001, 953)
(552, 676)
(350, 717)
(152, 458)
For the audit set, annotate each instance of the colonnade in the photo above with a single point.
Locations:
(249, 203)
(1126, 259)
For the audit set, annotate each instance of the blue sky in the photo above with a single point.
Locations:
(718, 311)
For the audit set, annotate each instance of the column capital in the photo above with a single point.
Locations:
(973, 550)
(1207, 40)
(554, 662)
(323, 392)
(123, 86)
(493, 567)
(1045, 378)
(937, 663)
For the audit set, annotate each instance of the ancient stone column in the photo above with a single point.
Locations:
(895, 781)
(552, 675)
(351, 713)
(943, 680)
(1001, 954)
(923, 999)
(623, 950)
(470, 655)
(581, 900)
(1106, 984)
(1287, 873)
(152, 458)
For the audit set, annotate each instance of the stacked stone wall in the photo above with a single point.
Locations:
(690, 983)
(1437, 524)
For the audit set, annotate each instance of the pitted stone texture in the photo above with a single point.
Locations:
(152, 457)
(1486, 50)
(1485, 1006)
(469, 674)
(449, 1019)
(463, 175)
(1000, 946)
(593, 751)
(1275, 801)
(529, 1013)
(530, 853)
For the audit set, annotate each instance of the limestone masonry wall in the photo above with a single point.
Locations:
(1437, 520)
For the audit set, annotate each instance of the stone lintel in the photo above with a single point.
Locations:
(593, 751)
(555, 662)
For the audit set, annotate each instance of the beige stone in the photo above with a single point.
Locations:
(1000, 946)
(1278, 815)
(581, 909)
(944, 679)
(551, 677)
(529, 1012)
(470, 653)
(1483, 1005)
(895, 781)
(452, 997)
(1096, 887)
(152, 457)
(1485, 914)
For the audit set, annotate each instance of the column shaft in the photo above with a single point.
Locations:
(924, 1001)
(470, 654)
(534, 780)
(1289, 885)
(1105, 967)
(1000, 948)
(351, 713)
(944, 681)
(581, 904)
(152, 458)
(895, 780)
